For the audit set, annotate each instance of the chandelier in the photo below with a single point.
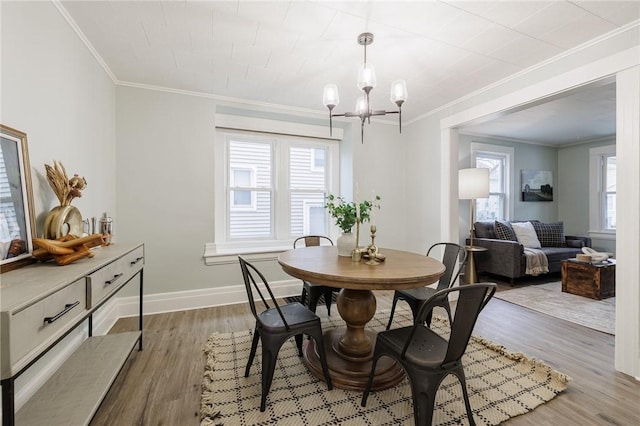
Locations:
(366, 83)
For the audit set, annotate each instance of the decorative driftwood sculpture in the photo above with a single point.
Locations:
(66, 249)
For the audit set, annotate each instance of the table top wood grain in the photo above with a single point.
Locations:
(322, 265)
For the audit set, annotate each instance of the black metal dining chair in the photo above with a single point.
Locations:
(310, 290)
(427, 357)
(454, 259)
(275, 325)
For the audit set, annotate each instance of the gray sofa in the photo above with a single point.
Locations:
(505, 257)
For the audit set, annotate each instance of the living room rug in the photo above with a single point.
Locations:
(501, 385)
(549, 299)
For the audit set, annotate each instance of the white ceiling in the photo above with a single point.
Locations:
(284, 52)
(583, 115)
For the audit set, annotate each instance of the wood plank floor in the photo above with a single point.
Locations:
(161, 384)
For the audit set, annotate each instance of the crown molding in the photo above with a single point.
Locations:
(84, 40)
(546, 144)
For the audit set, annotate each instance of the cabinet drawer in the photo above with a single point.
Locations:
(108, 279)
(40, 322)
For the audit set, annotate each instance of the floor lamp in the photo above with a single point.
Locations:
(472, 184)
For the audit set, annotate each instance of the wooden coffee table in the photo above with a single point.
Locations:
(593, 280)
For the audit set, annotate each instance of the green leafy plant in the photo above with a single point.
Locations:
(344, 212)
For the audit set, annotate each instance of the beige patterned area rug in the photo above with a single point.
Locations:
(549, 299)
(501, 385)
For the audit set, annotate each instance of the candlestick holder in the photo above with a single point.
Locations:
(372, 250)
(356, 253)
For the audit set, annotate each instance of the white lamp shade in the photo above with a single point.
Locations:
(366, 76)
(361, 105)
(398, 91)
(330, 97)
(473, 183)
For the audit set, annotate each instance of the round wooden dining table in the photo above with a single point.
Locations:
(349, 349)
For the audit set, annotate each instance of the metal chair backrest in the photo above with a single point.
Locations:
(472, 298)
(454, 259)
(311, 240)
(250, 284)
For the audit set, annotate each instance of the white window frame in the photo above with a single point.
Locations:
(312, 166)
(597, 202)
(225, 250)
(252, 187)
(477, 149)
(307, 213)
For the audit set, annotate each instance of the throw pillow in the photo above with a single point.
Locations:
(526, 235)
(504, 231)
(484, 230)
(550, 234)
(575, 243)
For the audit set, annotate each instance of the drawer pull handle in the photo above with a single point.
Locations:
(113, 280)
(67, 308)
(136, 261)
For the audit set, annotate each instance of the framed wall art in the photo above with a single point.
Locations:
(537, 185)
(17, 219)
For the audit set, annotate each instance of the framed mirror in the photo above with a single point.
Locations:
(17, 219)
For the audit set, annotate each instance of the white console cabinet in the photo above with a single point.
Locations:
(40, 305)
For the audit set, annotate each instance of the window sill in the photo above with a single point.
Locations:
(603, 235)
(216, 254)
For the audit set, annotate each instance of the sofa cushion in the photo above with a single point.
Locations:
(550, 234)
(526, 235)
(484, 230)
(504, 231)
(556, 254)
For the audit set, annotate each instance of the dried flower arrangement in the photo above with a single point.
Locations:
(65, 189)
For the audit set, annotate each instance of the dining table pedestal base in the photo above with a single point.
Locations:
(352, 373)
(349, 349)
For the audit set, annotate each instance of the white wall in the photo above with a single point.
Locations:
(423, 185)
(573, 192)
(378, 166)
(628, 219)
(166, 175)
(54, 90)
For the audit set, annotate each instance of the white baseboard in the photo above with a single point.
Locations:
(197, 299)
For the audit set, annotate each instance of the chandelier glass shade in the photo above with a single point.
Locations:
(366, 82)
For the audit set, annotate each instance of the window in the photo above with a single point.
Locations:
(498, 159)
(317, 159)
(609, 192)
(273, 189)
(602, 189)
(242, 178)
(307, 190)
